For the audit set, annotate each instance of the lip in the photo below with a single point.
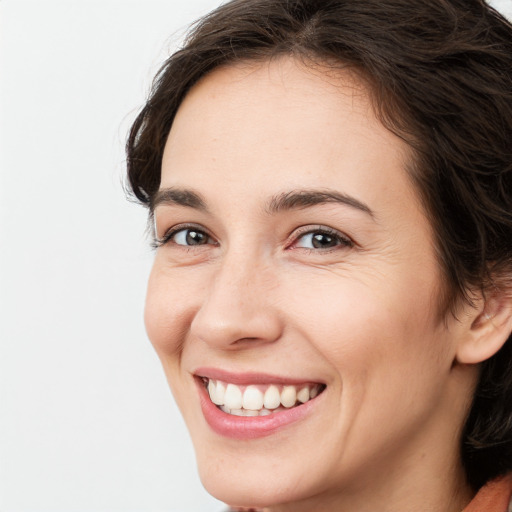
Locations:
(247, 378)
(249, 427)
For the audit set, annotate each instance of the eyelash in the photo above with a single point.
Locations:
(341, 239)
(168, 235)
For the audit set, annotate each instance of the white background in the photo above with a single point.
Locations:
(86, 420)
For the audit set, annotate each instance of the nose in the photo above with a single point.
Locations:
(238, 307)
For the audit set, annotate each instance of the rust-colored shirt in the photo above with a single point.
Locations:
(493, 497)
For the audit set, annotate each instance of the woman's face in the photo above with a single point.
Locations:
(295, 258)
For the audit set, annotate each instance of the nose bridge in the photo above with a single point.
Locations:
(238, 304)
(237, 269)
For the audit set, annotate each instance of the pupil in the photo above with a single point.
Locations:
(195, 238)
(321, 240)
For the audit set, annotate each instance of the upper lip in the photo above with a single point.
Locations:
(247, 378)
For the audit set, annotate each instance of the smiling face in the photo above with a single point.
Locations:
(296, 278)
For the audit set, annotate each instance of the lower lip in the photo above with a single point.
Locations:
(250, 427)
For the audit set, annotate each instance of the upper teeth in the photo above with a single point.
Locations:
(263, 398)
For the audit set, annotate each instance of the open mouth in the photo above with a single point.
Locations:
(259, 399)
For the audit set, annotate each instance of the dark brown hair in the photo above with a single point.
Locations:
(440, 75)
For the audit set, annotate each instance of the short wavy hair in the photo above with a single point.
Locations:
(440, 76)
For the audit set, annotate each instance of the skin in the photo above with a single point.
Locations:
(361, 317)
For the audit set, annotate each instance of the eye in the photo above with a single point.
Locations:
(322, 238)
(187, 236)
(190, 236)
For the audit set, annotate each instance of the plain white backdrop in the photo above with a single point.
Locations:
(86, 419)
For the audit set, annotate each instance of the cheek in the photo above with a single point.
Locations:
(370, 329)
(166, 319)
(384, 353)
(165, 314)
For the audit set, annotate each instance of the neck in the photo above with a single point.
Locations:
(424, 495)
(421, 474)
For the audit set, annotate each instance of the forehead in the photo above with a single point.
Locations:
(283, 124)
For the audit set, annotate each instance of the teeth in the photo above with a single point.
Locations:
(212, 391)
(272, 398)
(233, 397)
(217, 392)
(252, 401)
(288, 396)
(253, 398)
(303, 395)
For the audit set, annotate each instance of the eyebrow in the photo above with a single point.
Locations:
(180, 197)
(292, 200)
(298, 199)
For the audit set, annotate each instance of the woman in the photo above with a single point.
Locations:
(331, 189)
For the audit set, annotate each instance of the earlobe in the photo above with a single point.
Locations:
(489, 329)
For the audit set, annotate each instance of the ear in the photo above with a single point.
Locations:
(489, 327)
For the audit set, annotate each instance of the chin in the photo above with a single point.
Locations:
(259, 473)
(248, 487)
